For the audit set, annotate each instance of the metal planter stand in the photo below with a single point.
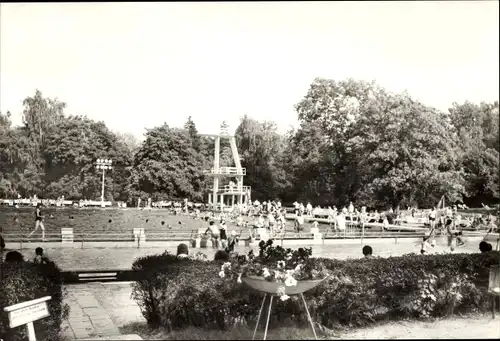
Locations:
(270, 288)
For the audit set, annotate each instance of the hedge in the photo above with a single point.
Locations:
(23, 281)
(176, 293)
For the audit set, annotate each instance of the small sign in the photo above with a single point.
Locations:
(67, 238)
(67, 235)
(29, 314)
(318, 236)
(138, 231)
(26, 313)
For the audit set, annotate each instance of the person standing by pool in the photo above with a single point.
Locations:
(299, 224)
(223, 233)
(432, 218)
(38, 221)
(214, 232)
(309, 209)
(282, 220)
(350, 209)
(385, 222)
(302, 209)
(330, 214)
(449, 232)
(231, 242)
(341, 223)
(272, 223)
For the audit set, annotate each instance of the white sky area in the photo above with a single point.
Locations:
(135, 66)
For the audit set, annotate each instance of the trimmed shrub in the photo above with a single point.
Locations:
(175, 293)
(166, 278)
(23, 281)
(364, 290)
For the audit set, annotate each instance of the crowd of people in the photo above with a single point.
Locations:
(271, 215)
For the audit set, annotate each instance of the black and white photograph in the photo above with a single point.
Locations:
(281, 170)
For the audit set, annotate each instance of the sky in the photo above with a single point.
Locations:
(138, 65)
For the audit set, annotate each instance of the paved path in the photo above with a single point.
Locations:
(99, 310)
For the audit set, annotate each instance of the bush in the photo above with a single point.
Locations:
(364, 290)
(175, 293)
(165, 285)
(20, 282)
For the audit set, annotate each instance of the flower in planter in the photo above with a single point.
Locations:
(285, 267)
(282, 294)
(290, 281)
(266, 273)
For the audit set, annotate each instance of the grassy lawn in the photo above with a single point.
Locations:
(469, 327)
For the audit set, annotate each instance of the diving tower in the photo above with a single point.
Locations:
(220, 196)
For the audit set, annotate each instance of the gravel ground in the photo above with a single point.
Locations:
(473, 327)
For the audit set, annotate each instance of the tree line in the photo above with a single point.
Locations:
(355, 141)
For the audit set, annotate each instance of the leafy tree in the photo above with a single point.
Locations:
(261, 149)
(190, 127)
(167, 166)
(129, 141)
(476, 127)
(310, 166)
(384, 149)
(70, 154)
(40, 116)
(7, 155)
(356, 141)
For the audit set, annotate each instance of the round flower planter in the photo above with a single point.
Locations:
(260, 284)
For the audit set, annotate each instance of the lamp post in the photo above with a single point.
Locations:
(103, 164)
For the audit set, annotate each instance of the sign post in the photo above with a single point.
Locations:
(26, 313)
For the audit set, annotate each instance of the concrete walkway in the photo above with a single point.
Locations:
(98, 310)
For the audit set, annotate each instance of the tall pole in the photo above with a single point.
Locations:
(103, 164)
(102, 188)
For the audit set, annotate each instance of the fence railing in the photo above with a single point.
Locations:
(235, 189)
(227, 171)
